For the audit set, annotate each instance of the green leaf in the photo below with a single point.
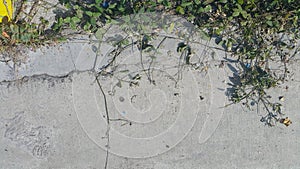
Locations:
(239, 7)
(79, 13)
(241, 2)
(276, 24)
(208, 8)
(270, 23)
(208, 2)
(269, 17)
(25, 37)
(244, 14)
(180, 10)
(89, 13)
(121, 9)
(93, 21)
(110, 11)
(201, 10)
(197, 2)
(67, 20)
(237, 13)
(76, 7)
(223, 1)
(295, 21)
(76, 20)
(219, 31)
(87, 26)
(244, 23)
(73, 25)
(112, 6)
(185, 4)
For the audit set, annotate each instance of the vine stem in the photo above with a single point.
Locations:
(107, 120)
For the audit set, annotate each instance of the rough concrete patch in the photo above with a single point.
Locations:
(36, 140)
(51, 107)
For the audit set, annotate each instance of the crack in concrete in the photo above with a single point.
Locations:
(44, 76)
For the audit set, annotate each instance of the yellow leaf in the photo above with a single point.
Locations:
(286, 121)
(6, 9)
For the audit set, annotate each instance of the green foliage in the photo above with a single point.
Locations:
(22, 33)
(90, 16)
(253, 82)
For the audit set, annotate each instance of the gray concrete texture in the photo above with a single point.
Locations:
(54, 116)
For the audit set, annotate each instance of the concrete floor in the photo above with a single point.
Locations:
(53, 116)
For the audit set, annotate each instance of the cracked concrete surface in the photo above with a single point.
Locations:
(48, 60)
(40, 128)
(51, 111)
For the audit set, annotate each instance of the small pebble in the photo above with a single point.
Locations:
(281, 98)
